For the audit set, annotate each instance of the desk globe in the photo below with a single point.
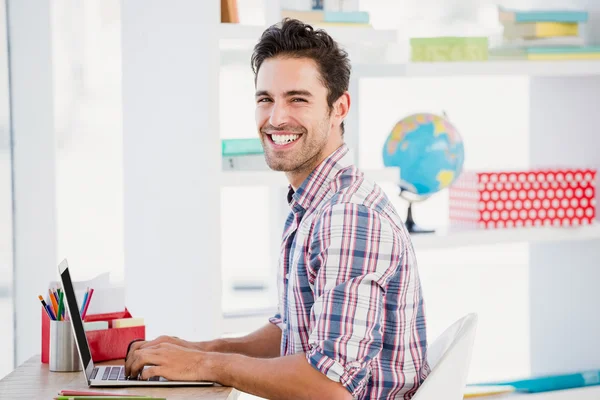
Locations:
(430, 154)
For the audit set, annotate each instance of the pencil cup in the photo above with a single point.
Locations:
(63, 355)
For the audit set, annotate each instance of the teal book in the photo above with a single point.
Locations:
(241, 147)
(550, 383)
(563, 49)
(358, 17)
(567, 16)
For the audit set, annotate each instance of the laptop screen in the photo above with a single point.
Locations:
(76, 323)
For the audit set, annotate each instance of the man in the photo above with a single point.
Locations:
(351, 322)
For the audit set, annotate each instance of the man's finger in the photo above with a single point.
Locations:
(142, 358)
(149, 372)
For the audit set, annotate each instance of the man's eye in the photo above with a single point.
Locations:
(296, 99)
(264, 100)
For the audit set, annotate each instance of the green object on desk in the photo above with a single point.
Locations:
(108, 398)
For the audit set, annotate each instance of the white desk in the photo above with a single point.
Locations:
(589, 393)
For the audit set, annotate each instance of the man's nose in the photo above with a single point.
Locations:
(279, 114)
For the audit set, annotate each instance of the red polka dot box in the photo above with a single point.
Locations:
(542, 197)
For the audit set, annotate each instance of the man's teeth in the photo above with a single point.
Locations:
(284, 139)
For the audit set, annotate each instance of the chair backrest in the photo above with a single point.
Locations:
(449, 358)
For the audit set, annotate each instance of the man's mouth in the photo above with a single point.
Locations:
(283, 139)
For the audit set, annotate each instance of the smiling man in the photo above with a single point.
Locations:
(351, 320)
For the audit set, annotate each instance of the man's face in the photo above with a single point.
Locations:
(292, 115)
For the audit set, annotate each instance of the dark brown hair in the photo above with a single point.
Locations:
(293, 38)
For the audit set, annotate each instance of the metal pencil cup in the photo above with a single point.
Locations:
(63, 355)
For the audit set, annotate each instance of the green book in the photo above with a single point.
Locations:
(449, 48)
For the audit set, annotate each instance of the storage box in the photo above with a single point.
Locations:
(541, 197)
(105, 344)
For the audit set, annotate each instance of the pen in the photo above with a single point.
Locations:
(47, 308)
(60, 306)
(85, 297)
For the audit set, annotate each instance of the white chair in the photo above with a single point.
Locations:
(449, 358)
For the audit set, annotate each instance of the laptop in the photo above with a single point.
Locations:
(105, 375)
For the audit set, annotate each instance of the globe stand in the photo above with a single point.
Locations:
(411, 197)
(411, 225)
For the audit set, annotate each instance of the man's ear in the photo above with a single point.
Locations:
(341, 107)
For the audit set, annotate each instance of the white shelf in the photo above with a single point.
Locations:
(483, 237)
(342, 34)
(272, 178)
(497, 68)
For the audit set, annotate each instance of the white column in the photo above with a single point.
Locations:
(564, 277)
(32, 120)
(172, 160)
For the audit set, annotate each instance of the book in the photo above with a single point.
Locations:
(346, 16)
(328, 17)
(546, 53)
(309, 17)
(561, 41)
(547, 383)
(241, 147)
(449, 49)
(539, 29)
(565, 15)
(488, 390)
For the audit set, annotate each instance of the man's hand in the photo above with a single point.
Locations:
(143, 344)
(168, 360)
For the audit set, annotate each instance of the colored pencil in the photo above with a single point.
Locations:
(53, 301)
(85, 297)
(46, 307)
(60, 306)
(87, 304)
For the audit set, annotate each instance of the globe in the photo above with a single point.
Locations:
(429, 152)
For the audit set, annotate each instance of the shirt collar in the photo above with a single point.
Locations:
(318, 180)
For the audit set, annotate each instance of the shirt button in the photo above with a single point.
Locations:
(287, 276)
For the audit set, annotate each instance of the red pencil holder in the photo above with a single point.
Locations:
(105, 344)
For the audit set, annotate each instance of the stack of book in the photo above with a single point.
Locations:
(327, 18)
(543, 35)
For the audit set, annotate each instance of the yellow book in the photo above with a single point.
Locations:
(484, 391)
(526, 30)
(127, 322)
(305, 16)
(564, 56)
(343, 24)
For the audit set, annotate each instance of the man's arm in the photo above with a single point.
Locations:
(262, 343)
(290, 377)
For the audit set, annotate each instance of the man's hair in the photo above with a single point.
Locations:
(296, 39)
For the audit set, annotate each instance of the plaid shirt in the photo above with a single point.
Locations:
(349, 291)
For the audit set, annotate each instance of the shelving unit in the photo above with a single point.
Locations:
(465, 238)
(563, 269)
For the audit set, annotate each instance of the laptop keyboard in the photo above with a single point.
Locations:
(116, 374)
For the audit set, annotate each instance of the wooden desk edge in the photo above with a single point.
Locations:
(32, 379)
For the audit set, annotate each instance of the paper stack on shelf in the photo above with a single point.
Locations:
(543, 35)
